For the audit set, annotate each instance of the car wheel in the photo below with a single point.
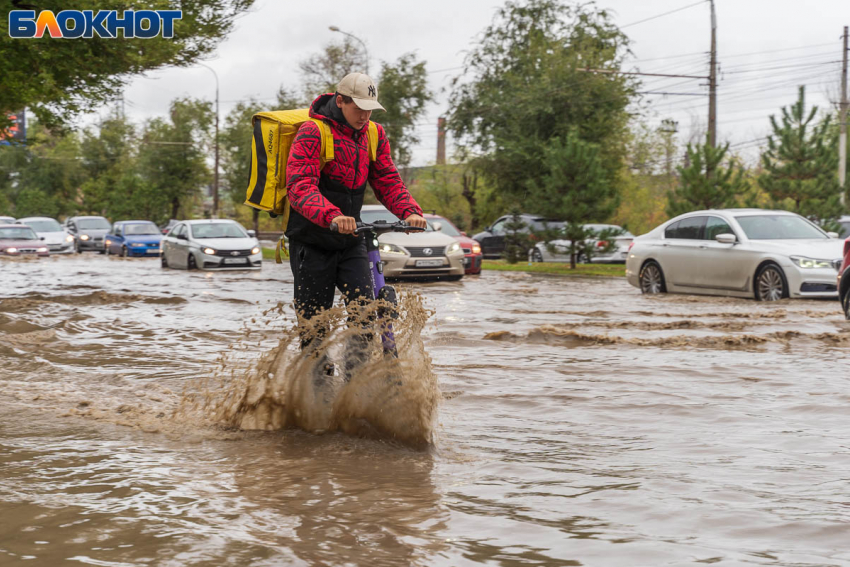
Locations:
(162, 260)
(124, 252)
(652, 279)
(192, 263)
(845, 303)
(536, 255)
(770, 283)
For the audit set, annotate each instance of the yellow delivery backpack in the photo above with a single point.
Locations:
(273, 135)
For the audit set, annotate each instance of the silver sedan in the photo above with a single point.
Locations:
(211, 245)
(768, 255)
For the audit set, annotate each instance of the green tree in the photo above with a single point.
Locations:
(705, 183)
(800, 164)
(172, 157)
(404, 92)
(321, 72)
(59, 78)
(523, 86)
(46, 173)
(574, 188)
(109, 155)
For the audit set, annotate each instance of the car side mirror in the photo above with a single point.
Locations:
(437, 226)
(726, 238)
(252, 233)
(41, 238)
(832, 234)
(463, 233)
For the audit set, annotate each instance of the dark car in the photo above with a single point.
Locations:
(88, 232)
(844, 281)
(492, 238)
(21, 240)
(133, 238)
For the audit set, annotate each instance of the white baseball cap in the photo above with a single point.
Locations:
(361, 89)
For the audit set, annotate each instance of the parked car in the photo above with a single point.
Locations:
(844, 232)
(472, 255)
(844, 280)
(88, 232)
(133, 238)
(7, 220)
(429, 254)
(211, 245)
(21, 240)
(757, 253)
(492, 238)
(58, 240)
(559, 250)
(166, 228)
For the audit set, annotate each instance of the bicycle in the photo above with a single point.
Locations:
(382, 291)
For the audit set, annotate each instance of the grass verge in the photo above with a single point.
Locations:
(559, 268)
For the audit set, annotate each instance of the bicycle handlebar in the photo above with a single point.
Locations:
(380, 227)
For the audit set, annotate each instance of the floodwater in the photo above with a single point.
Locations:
(579, 423)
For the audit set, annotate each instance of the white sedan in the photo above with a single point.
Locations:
(757, 253)
(559, 250)
(211, 245)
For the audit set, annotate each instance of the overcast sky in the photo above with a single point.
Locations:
(765, 47)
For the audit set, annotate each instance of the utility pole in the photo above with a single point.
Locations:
(712, 83)
(215, 174)
(842, 139)
(669, 127)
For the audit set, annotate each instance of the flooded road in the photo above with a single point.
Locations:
(580, 424)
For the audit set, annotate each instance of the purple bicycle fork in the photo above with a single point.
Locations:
(384, 292)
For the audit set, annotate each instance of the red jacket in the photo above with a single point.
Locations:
(350, 168)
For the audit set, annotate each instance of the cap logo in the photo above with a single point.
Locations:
(372, 92)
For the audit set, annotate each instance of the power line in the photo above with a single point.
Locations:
(664, 14)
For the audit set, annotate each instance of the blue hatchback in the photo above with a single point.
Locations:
(133, 238)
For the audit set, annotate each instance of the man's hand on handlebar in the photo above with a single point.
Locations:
(344, 225)
(416, 221)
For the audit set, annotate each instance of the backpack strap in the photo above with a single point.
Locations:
(326, 154)
(372, 135)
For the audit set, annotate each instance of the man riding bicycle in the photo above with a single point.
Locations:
(323, 259)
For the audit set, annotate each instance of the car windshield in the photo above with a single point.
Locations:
(446, 227)
(218, 230)
(48, 225)
(370, 217)
(17, 233)
(93, 224)
(141, 228)
(613, 228)
(779, 227)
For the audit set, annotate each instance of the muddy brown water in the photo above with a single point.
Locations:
(580, 423)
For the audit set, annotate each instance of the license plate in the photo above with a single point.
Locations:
(234, 260)
(467, 262)
(152, 251)
(428, 263)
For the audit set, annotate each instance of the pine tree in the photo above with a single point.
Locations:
(704, 182)
(575, 189)
(800, 164)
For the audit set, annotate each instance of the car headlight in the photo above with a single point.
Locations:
(811, 263)
(392, 249)
(11, 250)
(69, 238)
(255, 250)
(476, 249)
(209, 251)
(452, 248)
(42, 249)
(84, 237)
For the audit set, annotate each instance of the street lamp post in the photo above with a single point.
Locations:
(352, 36)
(215, 173)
